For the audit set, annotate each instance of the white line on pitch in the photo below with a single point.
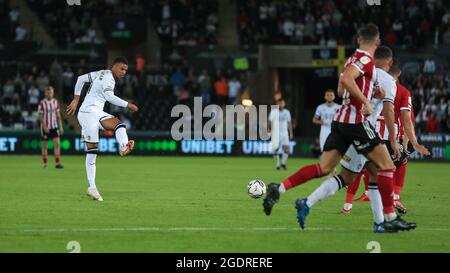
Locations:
(197, 229)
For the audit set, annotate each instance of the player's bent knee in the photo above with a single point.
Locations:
(93, 150)
(118, 126)
(326, 169)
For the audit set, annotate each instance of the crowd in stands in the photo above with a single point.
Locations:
(405, 23)
(430, 90)
(10, 27)
(189, 22)
(184, 22)
(155, 91)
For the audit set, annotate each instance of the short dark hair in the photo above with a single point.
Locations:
(383, 52)
(395, 69)
(120, 60)
(329, 91)
(369, 32)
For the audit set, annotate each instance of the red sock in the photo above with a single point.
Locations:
(385, 181)
(302, 176)
(57, 160)
(399, 178)
(44, 158)
(366, 178)
(352, 189)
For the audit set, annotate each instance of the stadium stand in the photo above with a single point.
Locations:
(195, 22)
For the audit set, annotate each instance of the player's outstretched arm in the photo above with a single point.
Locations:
(408, 127)
(113, 99)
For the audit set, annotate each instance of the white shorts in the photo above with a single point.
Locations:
(353, 161)
(279, 142)
(90, 124)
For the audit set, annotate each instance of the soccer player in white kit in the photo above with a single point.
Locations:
(324, 116)
(92, 118)
(281, 133)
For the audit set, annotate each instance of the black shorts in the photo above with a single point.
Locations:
(362, 136)
(52, 133)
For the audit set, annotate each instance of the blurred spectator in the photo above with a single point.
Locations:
(432, 124)
(33, 97)
(177, 81)
(221, 88)
(234, 87)
(30, 119)
(205, 87)
(140, 64)
(429, 66)
(14, 15)
(42, 81)
(8, 92)
(183, 96)
(21, 33)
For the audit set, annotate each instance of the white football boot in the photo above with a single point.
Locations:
(128, 148)
(94, 194)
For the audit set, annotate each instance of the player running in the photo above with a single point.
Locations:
(281, 135)
(350, 128)
(51, 126)
(92, 117)
(324, 116)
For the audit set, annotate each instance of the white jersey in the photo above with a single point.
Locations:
(388, 84)
(325, 112)
(284, 118)
(101, 81)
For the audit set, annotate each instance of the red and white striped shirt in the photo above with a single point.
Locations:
(402, 102)
(49, 109)
(350, 111)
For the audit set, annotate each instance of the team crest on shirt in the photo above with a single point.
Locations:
(364, 60)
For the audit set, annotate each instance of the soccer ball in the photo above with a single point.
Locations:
(256, 188)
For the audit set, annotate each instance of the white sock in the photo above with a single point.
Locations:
(281, 188)
(375, 203)
(348, 206)
(91, 157)
(396, 197)
(121, 135)
(284, 158)
(389, 217)
(277, 160)
(327, 189)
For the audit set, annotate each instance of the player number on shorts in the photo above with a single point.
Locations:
(374, 246)
(74, 246)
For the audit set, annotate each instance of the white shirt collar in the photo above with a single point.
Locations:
(363, 51)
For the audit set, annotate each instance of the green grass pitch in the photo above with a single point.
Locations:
(199, 204)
